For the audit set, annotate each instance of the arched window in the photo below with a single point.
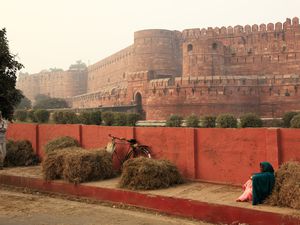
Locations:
(190, 47)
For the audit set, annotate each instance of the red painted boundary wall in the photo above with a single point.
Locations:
(208, 154)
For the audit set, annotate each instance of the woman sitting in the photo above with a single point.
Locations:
(259, 186)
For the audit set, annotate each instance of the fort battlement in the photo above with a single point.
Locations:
(288, 25)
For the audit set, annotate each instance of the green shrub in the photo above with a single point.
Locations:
(209, 121)
(70, 117)
(96, 117)
(174, 121)
(20, 115)
(58, 117)
(192, 121)
(132, 118)
(90, 118)
(295, 122)
(251, 120)
(31, 116)
(61, 143)
(108, 118)
(226, 121)
(120, 119)
(287, 117)
(41, 115)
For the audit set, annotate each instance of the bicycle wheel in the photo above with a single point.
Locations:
(142, 151)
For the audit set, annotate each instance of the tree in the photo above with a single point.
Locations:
(24, 104)
(50, 103)
(9, 95)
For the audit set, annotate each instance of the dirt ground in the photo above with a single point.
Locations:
(19, 208)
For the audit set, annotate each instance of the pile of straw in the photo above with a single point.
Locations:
(145, 174)
(61, 143)
(77, 165)
(20, 153)
(83, 166)
(286, 192)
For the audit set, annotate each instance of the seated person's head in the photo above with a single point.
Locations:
(266, 167)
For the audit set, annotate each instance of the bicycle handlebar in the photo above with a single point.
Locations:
(114, 137)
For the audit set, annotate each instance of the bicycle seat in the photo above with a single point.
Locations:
(132, 141)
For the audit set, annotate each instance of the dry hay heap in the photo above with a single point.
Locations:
(20, 153)
(145, 174)
(86, 165)
(61, 143)
(53, 164)
(77, 165)
(286, 191)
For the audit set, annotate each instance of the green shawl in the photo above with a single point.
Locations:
(262, 183)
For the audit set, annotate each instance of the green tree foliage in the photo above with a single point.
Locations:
(120, 119)
(295, 122)
(174, 121)
(20, 115)
(209, 121)
(9, 95)
(24, 104)
(287, 117)
(93, 117)
(108, 118)
(251, 120)
(51, 103)
(31, 116)
(192, 121)
(79, 65)
(226, 121)
(132, 118)
(42, 116)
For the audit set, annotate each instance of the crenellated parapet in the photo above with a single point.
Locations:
(288, 25)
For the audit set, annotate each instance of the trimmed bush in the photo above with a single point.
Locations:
(209, 121)
(70, 117)
(251, 120)
(31, 116)
(120, 119)
(58, 117)
(108, 118)
(226, 121)
(20, 153)
(90, 118)
(192, 121)
(42, 116)
(61, 143)
(295, 122)
(287, 117)
(20, 115)
(132, 118)
(82, 166)
(174, 121)
(145, 174)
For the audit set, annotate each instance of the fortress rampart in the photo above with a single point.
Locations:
(203, 71)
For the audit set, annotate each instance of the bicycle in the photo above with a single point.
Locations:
(134, 150)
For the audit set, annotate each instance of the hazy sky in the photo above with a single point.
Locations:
(56, 33)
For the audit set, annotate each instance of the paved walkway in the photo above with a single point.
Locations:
(214, 195)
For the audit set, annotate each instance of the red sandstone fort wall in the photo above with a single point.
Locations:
(63, 84)
(208, 71)
(264, 49)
